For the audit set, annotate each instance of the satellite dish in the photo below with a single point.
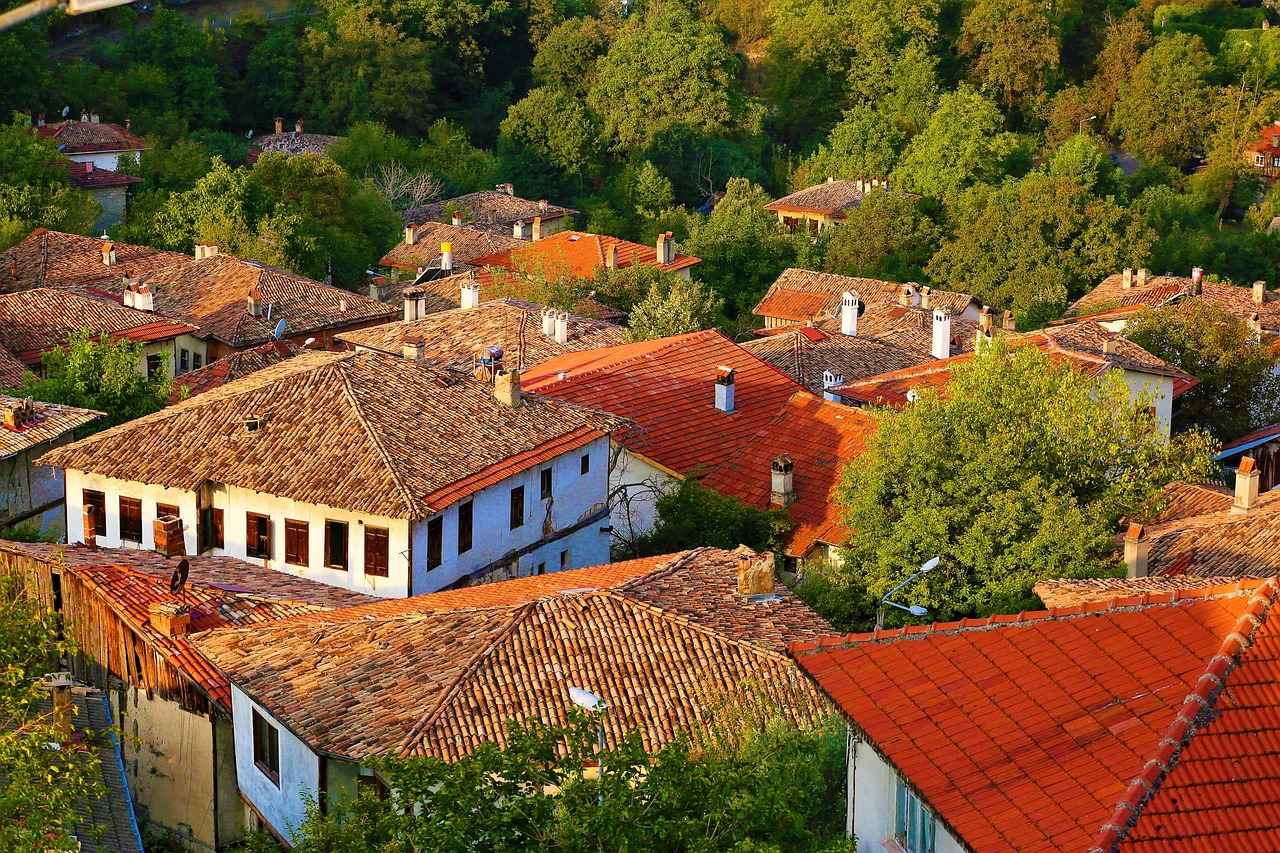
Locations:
(279, 332)
(65, 110)
(249, 135)
(179, 578)
(308, 342)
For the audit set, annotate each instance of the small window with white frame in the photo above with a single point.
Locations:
(914, 827)
(1259, 160)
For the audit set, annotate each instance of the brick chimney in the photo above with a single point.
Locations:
(506, 388)
(414, 348)
(1126, 279)
(169, 618)
(782, 491)
(849, 314)
(1246, 486)
(254, 303)
(724, 388)
(1143, 275)
(446, 257)
(941, 333)
(279, 124)
(90, 526)
(1137, 550)
(410, 234)
(88, 168)
(1197, 280)
(470, 293)
(169, 541)
(108, 254)
(1259, 292)
(755, 573)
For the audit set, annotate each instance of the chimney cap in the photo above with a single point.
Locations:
(1247, 465)
(1136, 531)
(782, 463)
(725, 375)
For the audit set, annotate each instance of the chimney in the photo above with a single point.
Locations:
(1259, 292)
(93, 118)
(507, 188)
(297, 128)
(831, 179)
(169, 541)
(446, 257)
(90, 526)
(19, 413)
(84, 117)
(549, 322)
(941, 333)
(1007, 322)
(1126, 279)
(254, 306)
(170, 618)
(128, 123)
(542, 205)
(456, 219)
(562, 328)
(907, 296)
(108, 254)
(375, 287)
(139, 296)
(410, 234)
(206, 250)
(1197, 281)
(470, 293)
(410, 309)
(755, 573)
(666, 249)
(849, 314)
(40, 120)
(279, 124)
(88, 168)
(414, 349)
(1142, 277)
(1255, 324)
(506, 388)
(1246, 485)
(1137, 549)
(783, 492)
(537, 228)
(829, 381)
(1109, 346)
(985, 320)
(611, 257)
(925, 293)
(518, 230)
(59, 686)
(342, 304)
(724, 388)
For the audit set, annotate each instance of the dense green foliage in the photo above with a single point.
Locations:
(753, 782)
(1020, 472)
(691, 515)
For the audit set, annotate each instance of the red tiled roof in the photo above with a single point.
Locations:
(1023, 732)
(237, 365)
(492, 210)
(84, 137)
(56, 259)
(666, 387)
(86, 176)
(467, 244)
(574, 253)
(1219, 541)
(1254, 437)
(1111, 300)
(798, 295)
(13, 373)
(51, 421)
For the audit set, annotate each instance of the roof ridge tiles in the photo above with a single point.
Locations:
(410, 505)
(1178, 736)
(663, 344)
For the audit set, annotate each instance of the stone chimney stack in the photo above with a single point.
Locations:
(1137, 550)
(59, 685)
(279, 124)
(1126, 279)
(1246, 486)
(108, 254)
(1007, 322)
(537, 228)
(506, 388)
(413, 348)
(782, 491)
(755, 573)
(725, 381)
(1143, 275)
(410, 234)
(849, 314)
(1259, 292)
(986, 320)
(926, 294)
(254, 303)
(470, 293)
(611, 257)
(1109, 346)
(941, 334)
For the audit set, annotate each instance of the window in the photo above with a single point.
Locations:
(913, 826)
(1275, 161)
(564, 559)
(257, 535)
(376, 552)
(464, 527)
(266, 748)
(211, 529)
(586, 463)
(545, 483)
(335, 544)
(184, 361)
(98, 501)
(517, 507)
(197, 360)
(154, 364)
(130, 519)
(296, 535)
(1259, 160)
(542, 568)
(435, 542)
(167, 509)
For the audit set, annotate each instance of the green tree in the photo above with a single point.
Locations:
(964, 143)
(1163, 110)
(556, 125)
(33, 187)
(40, 802)
(1083, 160)
(674, 306)
(186, 56)
(447, 151)
(864, 144)
(367, 146)
(691, 515)
(566, 58)
(97, 374)
(1020, 471)
(1013, 48)
(1237, 392)
(889, 236)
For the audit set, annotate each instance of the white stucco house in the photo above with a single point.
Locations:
(359, 470)
(91, 140)
(31, 495)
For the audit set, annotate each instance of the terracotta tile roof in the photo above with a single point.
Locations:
(293, 144)
(1111, 295)
(13, 373)
(1244, 442)
(831, 198)
(575, 253)
(33, 322)
(1079, 345)
(212, 293)
(443, 681)
(1024, 731)
(1182, 500)
(86, 176)
(800, 295)
(1072, 592)
(1219, 542)
(451, 338)
(488, 209)
(237, 365)
(56, 259)
(364, 432)
(805, 353)
(83, 137)
(467, 243)
(51, 421)
(666, 387)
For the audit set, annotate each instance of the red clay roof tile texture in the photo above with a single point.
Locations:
(799, 294)
(466, 244)
(237, 365)
(575, 253)
(1110, 295)
(56, 259)
(90, 137)
(51, 421)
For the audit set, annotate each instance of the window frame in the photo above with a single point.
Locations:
(546, 483)
(584, 466)
(914, 826)
(517, 507)
(97, 500)
(266, 747)
(329, 562)
(211, 529)
(377, 560)
(466, 509)
(254, 522)
(184, 360)
(163, 510)
(564, 559)
(435, 542)
(297, 542)
(132, 531)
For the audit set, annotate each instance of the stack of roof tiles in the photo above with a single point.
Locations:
(491, 210)
(51, 421)
(364, 432)
(56, 259)
(1024, 732)
(451, 338)
(666, 387)
(799, 295)
(1112, 300)
(441, 674)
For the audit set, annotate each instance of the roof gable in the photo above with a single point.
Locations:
(38, 320)
(57, 259)
(576, 253)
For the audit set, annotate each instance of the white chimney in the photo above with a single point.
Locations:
(254, 306)
(1126, 279)
(1197, 280)
(457, 218)
(411, 309)
(724, 388)
(783, 491)
(414, 349)
(941, 333)
(410, 234)
(1142, 277)
(446, 257)
(375, 287)
(549, 322)
(518, 231)
(666, 249)
(108, 254)
(297, 127)
(506, 388)
(139, 296)
(470, 293)
(1259, 292)
(849, 314)
(909, 296)
(562, 327)
(829, 381)
(1137, 550)
(1246, 485)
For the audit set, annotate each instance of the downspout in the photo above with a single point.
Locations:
(851, 780)
(124, 779)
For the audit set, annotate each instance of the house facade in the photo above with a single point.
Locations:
(31, 495)
(824, 205)
(91, 140)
